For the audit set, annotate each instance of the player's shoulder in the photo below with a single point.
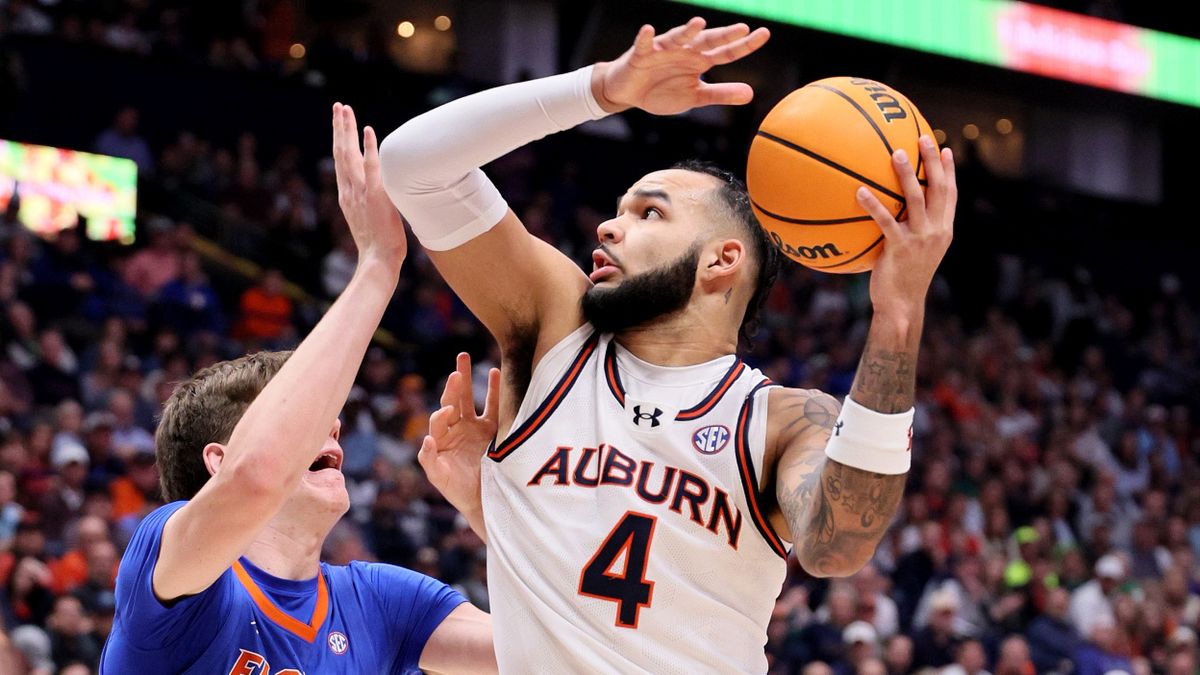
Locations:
(794, 414)
(788, 402)
(381, 580)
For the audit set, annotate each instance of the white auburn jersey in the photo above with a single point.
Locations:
(625, 532)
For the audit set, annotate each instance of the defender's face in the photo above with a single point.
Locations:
(322, 489)
(657, 221)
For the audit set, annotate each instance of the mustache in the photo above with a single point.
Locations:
(609, 252)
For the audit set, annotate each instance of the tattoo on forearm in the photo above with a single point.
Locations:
(886, 380)
(837, 513)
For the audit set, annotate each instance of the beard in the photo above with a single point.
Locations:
(643, 298)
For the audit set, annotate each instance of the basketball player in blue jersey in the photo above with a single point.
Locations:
(226, 578)
(646, 486)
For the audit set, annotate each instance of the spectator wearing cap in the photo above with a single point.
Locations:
(64, 499)
(861, 644)
(1092, 602)
(32, 646)
(934, 645)
(1103, 651)
(1052, 638)
(969, 659)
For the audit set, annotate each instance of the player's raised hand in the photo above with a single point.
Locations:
(915, 244)
(374, 222)
(457, 439)
(661, 73)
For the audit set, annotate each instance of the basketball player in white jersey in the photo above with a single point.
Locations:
(646, 485)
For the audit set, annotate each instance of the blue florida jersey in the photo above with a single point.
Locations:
(362, 618)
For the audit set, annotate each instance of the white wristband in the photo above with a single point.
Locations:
(872, 441)
(430, 165)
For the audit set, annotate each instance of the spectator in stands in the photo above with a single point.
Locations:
(265, 316)
(71, 633)
(159, 263)
(1103, 652)
(1014, 657)
(1092, 602)
(189, 303)
(861, 645)
(935, 644)
(122, 140)
(898, 655)
(969, 659)
(1052, 638)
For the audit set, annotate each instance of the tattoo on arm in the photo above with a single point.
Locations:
(836, 513)
(886, 380)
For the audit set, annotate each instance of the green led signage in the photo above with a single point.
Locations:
(1014, 35)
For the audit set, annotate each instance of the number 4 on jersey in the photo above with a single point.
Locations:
(627, 546)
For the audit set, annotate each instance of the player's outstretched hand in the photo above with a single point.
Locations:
(374, 222)
(915, 245)
(661, 74)
(457, 439)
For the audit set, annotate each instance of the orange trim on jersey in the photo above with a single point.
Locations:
(306, 632)
(611, 374)
(702, 408)
(547, 408)
(746, 473)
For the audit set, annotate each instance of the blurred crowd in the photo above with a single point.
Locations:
(1052, 517)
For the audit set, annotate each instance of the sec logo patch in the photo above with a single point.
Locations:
(711, 439)
(338, 643)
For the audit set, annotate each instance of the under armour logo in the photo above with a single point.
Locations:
(837, 428)
(638, 416)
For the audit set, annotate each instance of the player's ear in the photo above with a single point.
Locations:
(214, 454)
(721, 260)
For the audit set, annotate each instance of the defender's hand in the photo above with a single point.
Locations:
(661, 75)
(374, 222)
(457, 440)
(915, 245)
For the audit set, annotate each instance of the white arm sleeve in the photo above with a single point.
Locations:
(430, 165)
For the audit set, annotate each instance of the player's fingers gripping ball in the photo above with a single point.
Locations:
(813, 151)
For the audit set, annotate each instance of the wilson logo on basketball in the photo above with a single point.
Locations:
(889, 106)
(338, 643)
(711, 439)
(824, 251)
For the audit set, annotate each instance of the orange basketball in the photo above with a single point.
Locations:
(813, 151)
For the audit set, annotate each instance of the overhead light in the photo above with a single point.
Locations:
(442, 23)
(939, 136)
(296, 51)
(406, 29)
(1004, 126)
(970, 132)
